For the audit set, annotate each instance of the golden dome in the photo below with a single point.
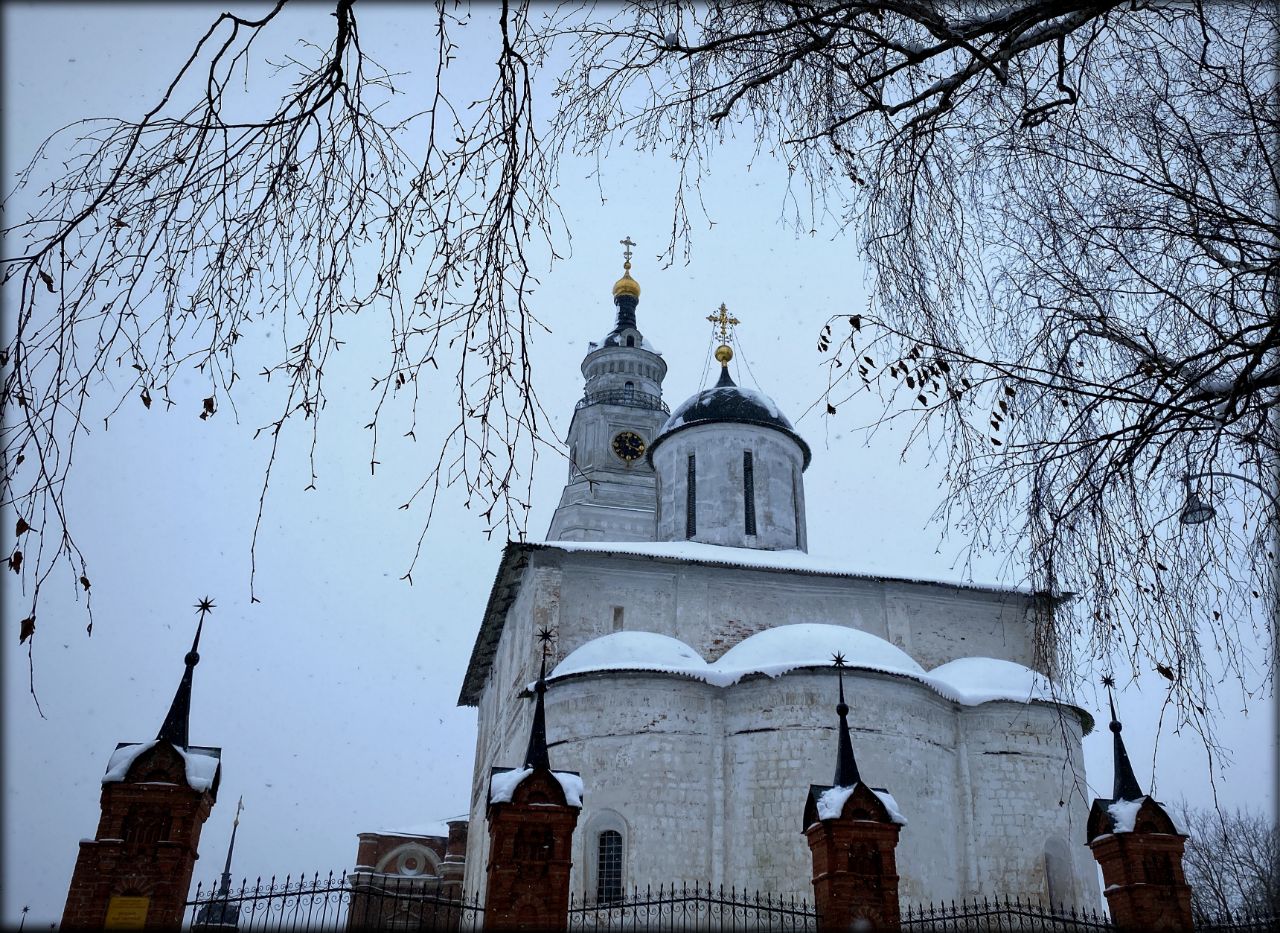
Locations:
(724, 354)
(626, 285)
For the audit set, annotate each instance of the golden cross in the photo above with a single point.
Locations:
(626, 254)
(721, 322)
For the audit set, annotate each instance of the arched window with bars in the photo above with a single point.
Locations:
(608, 867)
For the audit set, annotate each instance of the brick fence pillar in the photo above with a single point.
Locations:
(1140, 851)
(136, 871)
(530, 851)
(853, 836)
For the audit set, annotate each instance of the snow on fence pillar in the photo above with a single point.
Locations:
(1139, 848)
(853, 836)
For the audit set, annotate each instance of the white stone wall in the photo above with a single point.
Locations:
(778, 465)
(710, 783)
(713, 608)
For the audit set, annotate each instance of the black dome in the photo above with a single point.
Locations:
(728, 402)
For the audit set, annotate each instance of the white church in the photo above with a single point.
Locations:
(691, 683)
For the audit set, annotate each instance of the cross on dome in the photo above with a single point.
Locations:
(627, 287)
(722, 324)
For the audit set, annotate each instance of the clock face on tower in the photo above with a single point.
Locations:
(628, 446)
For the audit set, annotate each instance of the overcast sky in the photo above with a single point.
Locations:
(333, 699)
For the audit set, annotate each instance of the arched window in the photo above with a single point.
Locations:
(749, 492)
(691, 499)
(609, 867)
(629, 390)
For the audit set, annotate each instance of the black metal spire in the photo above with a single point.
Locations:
(846, 768)
(176, 724)
(1126, 783)
(536, 756)
(225, 889)
(218, 912)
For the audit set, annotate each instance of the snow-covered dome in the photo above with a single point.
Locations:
(631, 651)
(979, 680)
(773, 652)
(811, 644)
(727, 402)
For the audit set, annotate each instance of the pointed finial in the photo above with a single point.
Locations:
(1125, 786)
(846, 767)
(176, 724)
(626, 286)
(722, 324)
(536, 755)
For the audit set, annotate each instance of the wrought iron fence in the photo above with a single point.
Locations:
(371, 901)
(1242, 922)
(692, 908)
(1001, 915)
(359, 901)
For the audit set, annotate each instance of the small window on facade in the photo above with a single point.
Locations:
(691, 500)
(629, 391)
(749, 492)
(795, 502)
(617, 618)
(631, 341)
(609, 867)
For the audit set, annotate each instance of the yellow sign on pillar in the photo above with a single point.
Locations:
(127, 913)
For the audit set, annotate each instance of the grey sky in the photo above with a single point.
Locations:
(333, 699)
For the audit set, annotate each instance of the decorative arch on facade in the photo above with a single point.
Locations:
(410, 859)
(606, 843)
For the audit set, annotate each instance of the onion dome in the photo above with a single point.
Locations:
(626, 285)
(727, 401)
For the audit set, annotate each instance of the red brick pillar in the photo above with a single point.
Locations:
(136, 872)
(855, 871)
(455, 860)
(1140, 851)
(530, 850)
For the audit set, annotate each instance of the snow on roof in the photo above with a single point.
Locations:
(793, 560)
(776, 651)
(980, 680)
(1124, 813)
(632, 651)
(202, 767)
(808, 644)
(502, 786)
(122, 760)
(201, 763)
(644, 344)
(430, 829)
(706, 397)
(831, 803)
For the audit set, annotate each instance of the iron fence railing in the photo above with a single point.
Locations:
(999, 916)
(359, 901)
(1242, 922)
(372, 901)
(692, 908)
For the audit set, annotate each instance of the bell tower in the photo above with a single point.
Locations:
(611, 491)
